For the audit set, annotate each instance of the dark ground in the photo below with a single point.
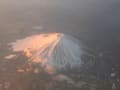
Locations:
(95, 22)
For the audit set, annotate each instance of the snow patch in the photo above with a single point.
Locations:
(10, 56)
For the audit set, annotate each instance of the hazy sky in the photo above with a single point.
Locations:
(104, 13)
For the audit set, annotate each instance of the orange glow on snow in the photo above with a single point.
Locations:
(36, 71)
(27, 53)
(20, 70)
(38, 48)
(49, 69)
